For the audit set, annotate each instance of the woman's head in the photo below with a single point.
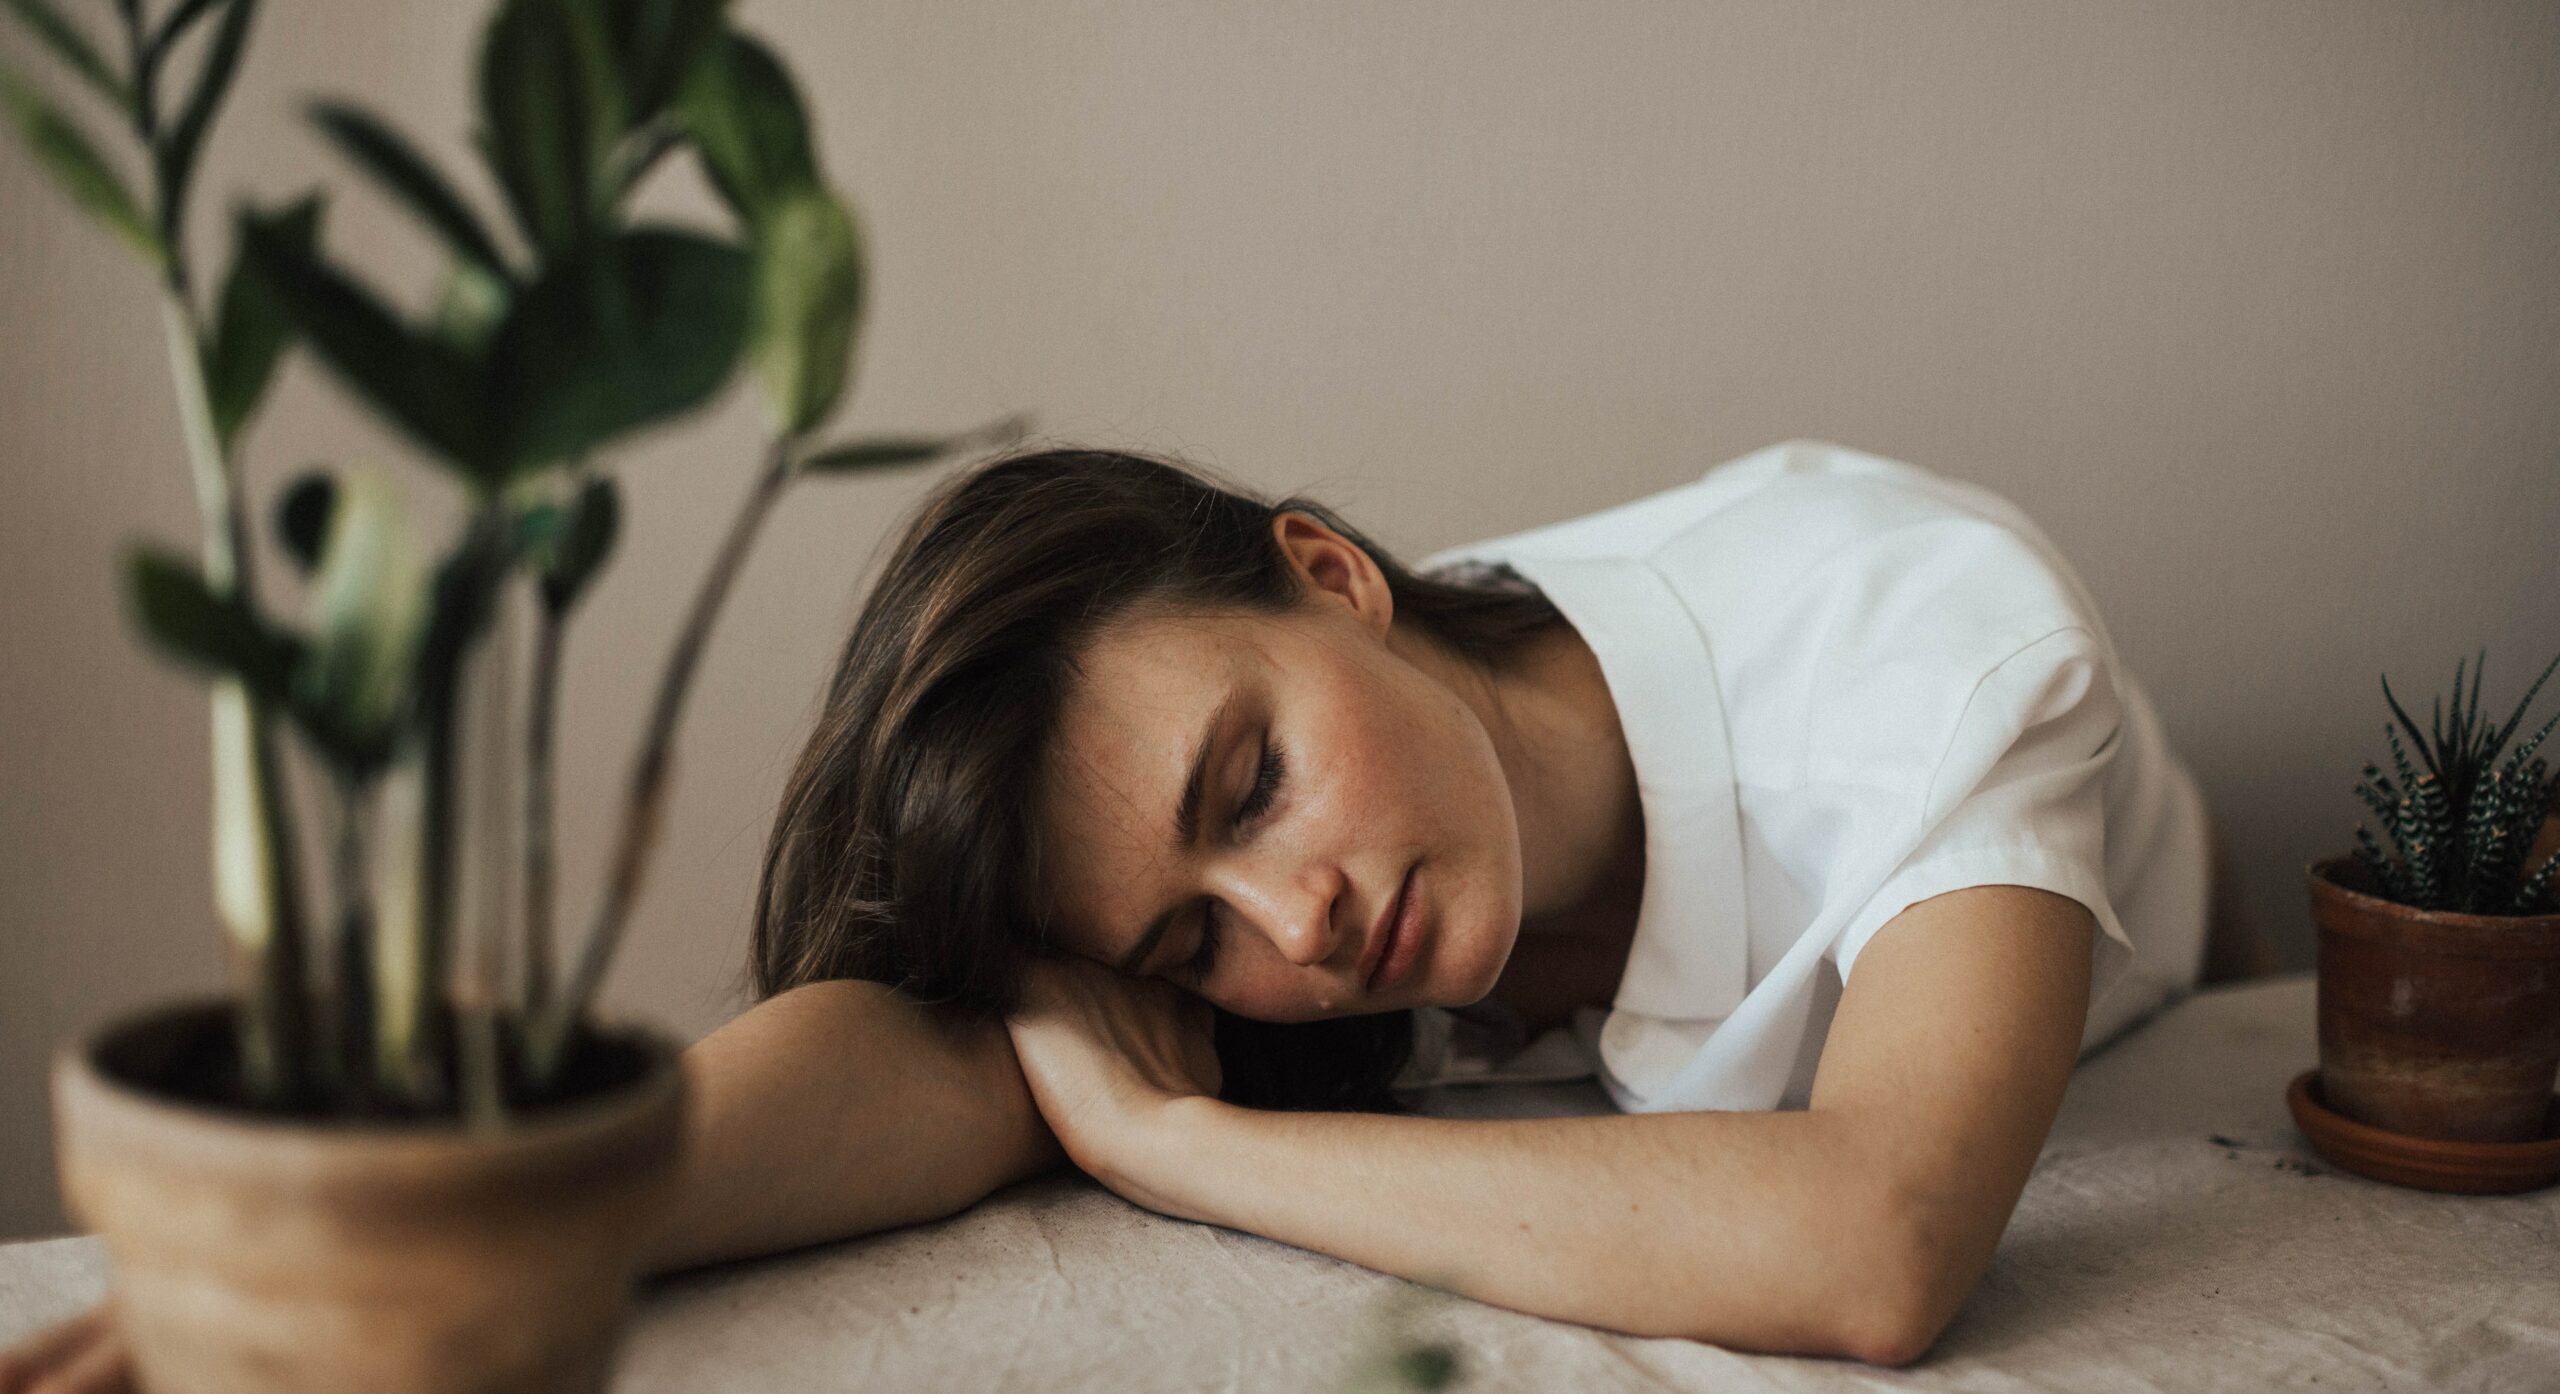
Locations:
(1006, 741)
(1334, 760)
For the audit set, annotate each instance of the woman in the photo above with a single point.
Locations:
(1805, 805)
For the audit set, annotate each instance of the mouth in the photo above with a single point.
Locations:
(1393, 940)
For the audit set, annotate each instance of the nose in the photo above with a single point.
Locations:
(1292, 904)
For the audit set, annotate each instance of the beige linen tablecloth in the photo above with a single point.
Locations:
(2178, 1234)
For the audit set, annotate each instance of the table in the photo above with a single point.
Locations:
(2177, 1234)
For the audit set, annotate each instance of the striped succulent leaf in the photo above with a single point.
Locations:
(2460, 819)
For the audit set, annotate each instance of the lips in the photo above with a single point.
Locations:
(1383, 932)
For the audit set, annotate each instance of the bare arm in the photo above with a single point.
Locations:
(1857, 1226)
(837, 1109)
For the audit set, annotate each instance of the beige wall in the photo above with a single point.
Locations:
(2254, 306)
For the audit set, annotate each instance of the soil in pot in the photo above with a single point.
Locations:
(2434, 1024)
(275, 1253)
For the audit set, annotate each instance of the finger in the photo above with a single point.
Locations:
(49, 1348)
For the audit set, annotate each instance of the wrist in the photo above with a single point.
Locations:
(1165, 1155)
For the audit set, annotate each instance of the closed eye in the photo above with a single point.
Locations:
(1266, 784)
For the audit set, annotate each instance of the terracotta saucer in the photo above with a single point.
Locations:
(2429, 1164)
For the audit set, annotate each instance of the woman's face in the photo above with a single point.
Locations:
(1335, 760)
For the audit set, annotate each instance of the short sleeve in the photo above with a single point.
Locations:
(2019, 798)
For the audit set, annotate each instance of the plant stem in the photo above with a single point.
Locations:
(538, 894)
(483, 999)
(397, 956)
(350, 1034)
(146, 99)
(412, 1035)
(415, 1031)
(257, 892)
(645, 807)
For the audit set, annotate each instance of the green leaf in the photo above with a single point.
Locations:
(250, 330)
(592, 525)
(184, 140)
(405, 174)
(2499, 741)
(177, 612)
(565, 543)
(2416, 736)
(639, 153)
(809, 276)
(368, 616)
(2524, 752)
(415, 381)
(551, 110)
(882, 453)
(593, 521)
(75, 164)
(535, 532)
(470, 308)
(632, 330)
(464, 590)
(886, 452)
(74, 49)
(175, 27)
(749, 126)
(302, 517)
(655, 44)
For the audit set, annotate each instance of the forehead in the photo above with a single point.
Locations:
(1143, 692)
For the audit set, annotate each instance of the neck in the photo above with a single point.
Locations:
(1573, 783)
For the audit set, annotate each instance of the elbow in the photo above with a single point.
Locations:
(1906, 1288)
(1883, 1299)
(1889, 1336)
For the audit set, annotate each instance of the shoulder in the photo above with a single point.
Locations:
(1858, 555)
(1811, 553)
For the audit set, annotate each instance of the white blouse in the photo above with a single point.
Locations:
(1847, 685)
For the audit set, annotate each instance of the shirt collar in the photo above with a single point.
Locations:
(1691, 955)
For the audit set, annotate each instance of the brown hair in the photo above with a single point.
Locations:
(904, 848)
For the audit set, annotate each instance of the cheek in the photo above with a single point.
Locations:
(1434, 788)
(1403, 764)
(1406, 770)
(1447, 778)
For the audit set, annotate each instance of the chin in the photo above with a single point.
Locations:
(1480, 977)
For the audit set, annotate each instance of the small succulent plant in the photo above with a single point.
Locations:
(2461, 819)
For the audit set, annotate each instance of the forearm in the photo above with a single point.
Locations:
(837, 1109)
(1758, 1231)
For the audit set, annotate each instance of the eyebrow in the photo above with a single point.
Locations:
(1186, 830)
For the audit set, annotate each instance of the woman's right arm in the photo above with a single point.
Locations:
(831, 1110)
(839, 1108)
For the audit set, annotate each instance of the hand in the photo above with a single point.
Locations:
(1104, 1054)
(84, 1355)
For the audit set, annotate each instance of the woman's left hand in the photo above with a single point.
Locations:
(1104, 1055)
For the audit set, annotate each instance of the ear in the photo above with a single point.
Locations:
(1333, 568)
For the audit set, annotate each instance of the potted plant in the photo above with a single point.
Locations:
(2439, 960)
(405, 1154)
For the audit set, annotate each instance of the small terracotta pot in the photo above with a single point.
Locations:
(294, 1256)
(2434, 1024)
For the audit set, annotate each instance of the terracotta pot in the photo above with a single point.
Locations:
(290, 1255)
(2434, 1024)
